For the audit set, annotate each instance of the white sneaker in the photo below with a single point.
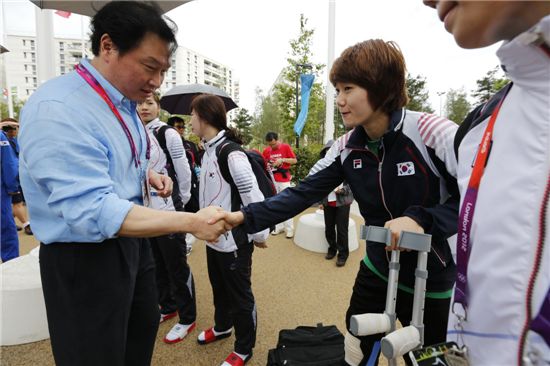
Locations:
(289, 234)
(276, 231)
(178, 332)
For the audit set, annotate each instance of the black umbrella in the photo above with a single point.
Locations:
(178, 99)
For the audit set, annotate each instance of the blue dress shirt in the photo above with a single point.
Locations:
(76, 166)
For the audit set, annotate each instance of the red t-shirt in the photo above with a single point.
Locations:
(282, 151)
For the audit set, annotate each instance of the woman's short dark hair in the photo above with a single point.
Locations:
(211, 109)
(377, 66)
(127, 23)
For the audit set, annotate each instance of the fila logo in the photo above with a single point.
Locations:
(405, 168)
(357, 163)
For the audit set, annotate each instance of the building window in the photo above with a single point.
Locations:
(24, 42)
(62, 69)
(32, 42)
(26, 67)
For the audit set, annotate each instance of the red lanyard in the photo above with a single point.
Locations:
(92, 81)
(468, 206)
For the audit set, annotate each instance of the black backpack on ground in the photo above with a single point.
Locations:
(193, 203)
(308, 346)
(263, 175)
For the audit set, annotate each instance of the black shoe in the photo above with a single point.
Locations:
(19, 228)
(330, 254)
(28, 230)
(340, 262)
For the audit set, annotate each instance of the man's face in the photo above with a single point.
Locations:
(353, 104)
(139, 72)
(12, 133)
(476, 24)
(180, 127)
(273, 143)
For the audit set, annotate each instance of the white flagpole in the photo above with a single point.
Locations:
(6, 60)
(82, 36)
(45, 49)
(329, 120)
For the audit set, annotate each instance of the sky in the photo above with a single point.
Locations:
(253, 37)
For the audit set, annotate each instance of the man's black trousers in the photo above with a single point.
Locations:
(234, 304)
(336, 229)
(101, 301)
(369, 296)
(175, 283)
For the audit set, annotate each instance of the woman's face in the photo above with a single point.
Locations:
(353, 104)
(196, 124)
(148, 110)
(476, 24)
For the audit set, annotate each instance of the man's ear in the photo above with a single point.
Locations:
(107, 48)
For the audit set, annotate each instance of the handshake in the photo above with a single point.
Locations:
(211, 222)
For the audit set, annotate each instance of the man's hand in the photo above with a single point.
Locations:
(9, 123)
(162, 183)
(262, 245)
(398, 225)
(209, 224)
(231, 219)
(278, 162)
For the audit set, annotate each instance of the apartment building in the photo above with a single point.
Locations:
(188, 67)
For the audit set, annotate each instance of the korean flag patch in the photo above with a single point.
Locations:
(357, 163)
(405, 168)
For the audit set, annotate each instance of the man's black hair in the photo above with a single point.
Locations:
(127, 23)
(8, 128)
(172, 120)
(271, 136)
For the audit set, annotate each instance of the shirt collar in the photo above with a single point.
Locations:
(358, 138)
(524, 63)
(213, 142)
(114, 94)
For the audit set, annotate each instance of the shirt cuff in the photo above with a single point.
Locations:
(112, 215)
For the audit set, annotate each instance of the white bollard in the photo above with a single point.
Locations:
(310, 233)
(23, 314)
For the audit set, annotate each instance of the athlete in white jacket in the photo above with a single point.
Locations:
(175, 284)
(502, 303)
(230, 258)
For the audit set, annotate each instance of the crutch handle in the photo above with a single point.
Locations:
(401, 341)
(369, 323)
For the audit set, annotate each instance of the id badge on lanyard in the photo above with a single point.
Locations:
(146, 189)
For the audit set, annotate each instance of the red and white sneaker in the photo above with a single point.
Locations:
(209, 335)
(178, 332)
(165, 317)
(235, 360)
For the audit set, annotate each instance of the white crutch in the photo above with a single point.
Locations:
(397, 342)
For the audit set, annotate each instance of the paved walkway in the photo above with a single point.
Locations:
(292, 287)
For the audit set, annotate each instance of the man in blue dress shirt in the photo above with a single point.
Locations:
(83, 167)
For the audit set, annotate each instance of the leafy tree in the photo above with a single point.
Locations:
(418, 94)
(243, 122)
(488, 85)
(457, 105)
(266, 121)
(285, 92)
(17, 105)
